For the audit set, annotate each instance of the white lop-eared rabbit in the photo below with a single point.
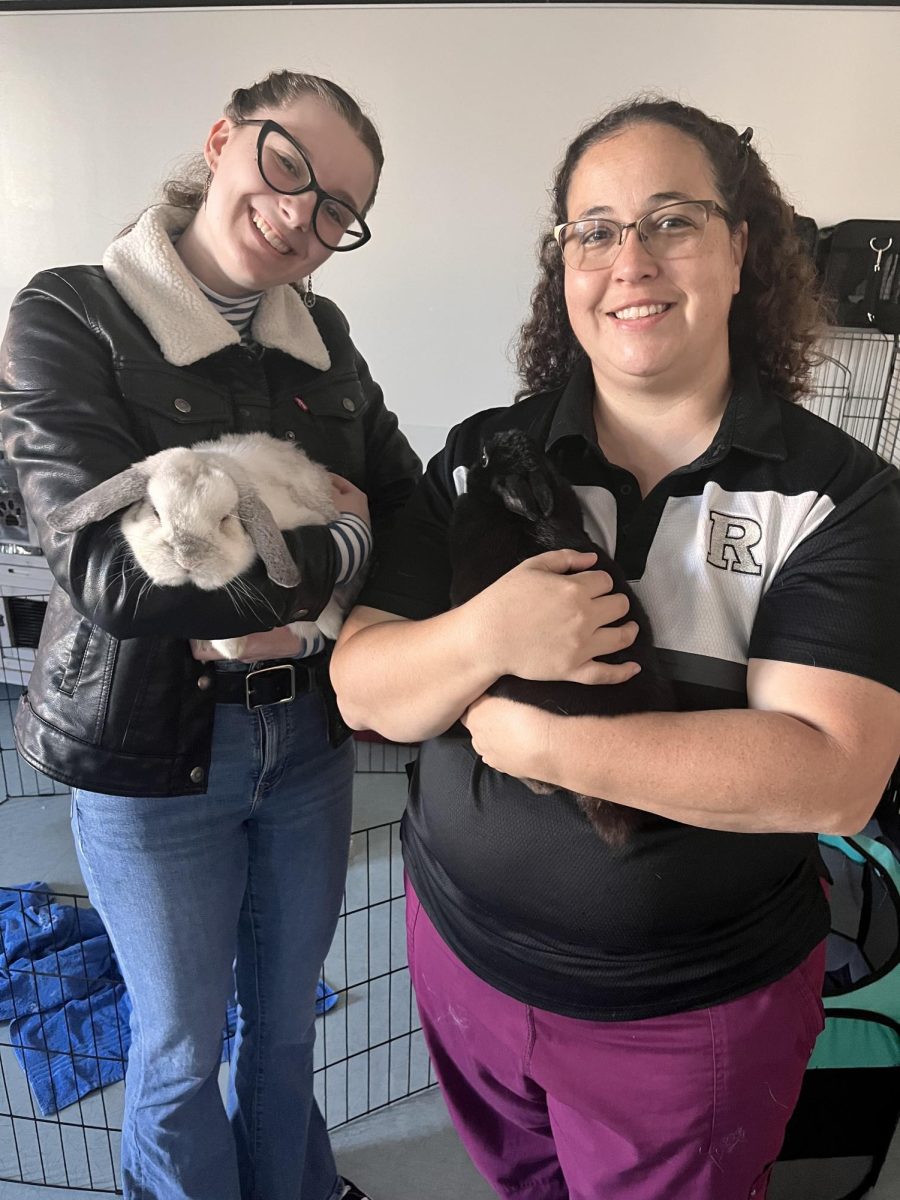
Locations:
(202, 515)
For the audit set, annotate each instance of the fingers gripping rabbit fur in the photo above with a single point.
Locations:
(202, 515)
(517, 505)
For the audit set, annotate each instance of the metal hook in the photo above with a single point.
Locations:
(879, 250)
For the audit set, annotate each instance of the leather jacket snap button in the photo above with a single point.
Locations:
(182, 405)
(204, 682)
(349, 404)
(197, 775)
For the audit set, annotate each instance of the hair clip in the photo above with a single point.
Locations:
(744, 139)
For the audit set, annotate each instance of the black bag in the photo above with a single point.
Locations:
(859, 263)
(807, 232)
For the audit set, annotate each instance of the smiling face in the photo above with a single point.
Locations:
(656, 324)
(247, 237)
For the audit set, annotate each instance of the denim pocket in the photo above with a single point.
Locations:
(73, 820)
(78, 835)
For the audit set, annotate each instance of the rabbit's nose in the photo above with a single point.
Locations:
(187, 551)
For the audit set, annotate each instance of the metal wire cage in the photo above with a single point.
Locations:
(61, 998)
(856, 386)
(65, 1020)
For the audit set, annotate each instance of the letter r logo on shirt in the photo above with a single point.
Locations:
(731, 542)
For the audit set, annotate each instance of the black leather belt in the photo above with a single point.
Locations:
(271, 683)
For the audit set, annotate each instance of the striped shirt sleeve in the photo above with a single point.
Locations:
(353, 540)
(310, 646)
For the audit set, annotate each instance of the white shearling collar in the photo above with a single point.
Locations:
(147, 273)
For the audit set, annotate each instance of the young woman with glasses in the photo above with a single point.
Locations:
(635, 1020)
(212, 818)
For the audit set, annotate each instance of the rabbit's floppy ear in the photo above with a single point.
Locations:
(543, 493)
(266, 537)
(529, 497)
(106, 498)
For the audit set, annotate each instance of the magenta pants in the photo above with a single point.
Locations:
(685, 1107)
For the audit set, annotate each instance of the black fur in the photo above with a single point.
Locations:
(517, 505)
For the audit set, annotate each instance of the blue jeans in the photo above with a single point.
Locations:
(240, 886)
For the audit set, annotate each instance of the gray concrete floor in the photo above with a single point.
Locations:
(407, 1150)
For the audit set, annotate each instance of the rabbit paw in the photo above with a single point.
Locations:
(331, 618)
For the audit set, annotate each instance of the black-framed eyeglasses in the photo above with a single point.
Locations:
(286, 169)
(674, 230)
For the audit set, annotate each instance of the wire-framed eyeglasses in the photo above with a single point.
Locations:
(674, 230)
(285, 168)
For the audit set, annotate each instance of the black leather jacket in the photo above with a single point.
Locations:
(116, 703)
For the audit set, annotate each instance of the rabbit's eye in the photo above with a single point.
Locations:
(485, 458)
(153, 510)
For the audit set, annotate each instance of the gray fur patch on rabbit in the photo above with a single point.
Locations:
(202, 515)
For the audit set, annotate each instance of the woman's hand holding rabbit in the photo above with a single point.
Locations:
(348, 498)
(510, 737)
(274, 643)
(540, 622)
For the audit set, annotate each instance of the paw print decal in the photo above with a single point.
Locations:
(12, 518)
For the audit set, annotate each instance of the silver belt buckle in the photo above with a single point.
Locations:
(265, 671)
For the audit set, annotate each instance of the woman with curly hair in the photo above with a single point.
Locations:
(635, 1020)
(777, 311)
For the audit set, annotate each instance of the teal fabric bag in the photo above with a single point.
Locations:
(849, 1107)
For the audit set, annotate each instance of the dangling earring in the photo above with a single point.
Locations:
(309, 298)
(206, 184)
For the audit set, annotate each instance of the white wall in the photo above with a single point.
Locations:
(475, 106)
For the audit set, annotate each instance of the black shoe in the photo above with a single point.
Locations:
(352, 1192)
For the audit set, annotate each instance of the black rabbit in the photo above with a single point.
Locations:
(517, 505)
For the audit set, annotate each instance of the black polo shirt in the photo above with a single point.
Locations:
(781, 541)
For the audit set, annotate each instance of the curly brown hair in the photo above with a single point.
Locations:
(778, 312)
